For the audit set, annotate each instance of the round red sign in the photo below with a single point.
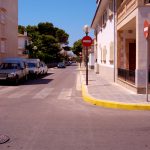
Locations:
(146, 29)
(87, 41)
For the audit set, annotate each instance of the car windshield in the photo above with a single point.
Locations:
(9, 66)
(32, 65)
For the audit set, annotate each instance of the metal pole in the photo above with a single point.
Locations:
(86, 49)
(86, 65)
(114, 40)
(147, 69)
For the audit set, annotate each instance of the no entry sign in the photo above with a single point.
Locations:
(87, 41)
(146, 29)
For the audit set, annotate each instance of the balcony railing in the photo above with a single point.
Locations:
(126, 7)
(126, 75)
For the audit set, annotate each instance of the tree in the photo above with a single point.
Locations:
(62, 36)
(21, 29)
(47, 39)
(46, 28)
(77, 47)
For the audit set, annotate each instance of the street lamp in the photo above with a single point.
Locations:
(34, 49)
(80, 55)
(86, 29)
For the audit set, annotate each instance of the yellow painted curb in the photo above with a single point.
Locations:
(111, 104)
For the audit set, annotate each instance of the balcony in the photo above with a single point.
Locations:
(126, 7)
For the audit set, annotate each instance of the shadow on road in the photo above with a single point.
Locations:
(31, 81)
(38, 81)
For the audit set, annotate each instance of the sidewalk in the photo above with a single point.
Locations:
(102, 92)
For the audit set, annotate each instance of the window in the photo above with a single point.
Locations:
(2, 16)
(111, 9)
(111, 58)
(3, 46)
(104, 52)
(104, 18)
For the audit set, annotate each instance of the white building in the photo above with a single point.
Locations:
(8, 28)
(23, 41)
(120, 44)
(103, 24)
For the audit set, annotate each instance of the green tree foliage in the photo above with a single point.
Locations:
(77, 47)
(62, 36)
(46, 28)
(47, 39)
(21, 29)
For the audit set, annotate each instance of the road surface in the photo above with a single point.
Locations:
(49, 114)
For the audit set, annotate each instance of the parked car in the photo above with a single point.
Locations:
(13, 69)
(43, 68)
(61, 65)
(34, 67)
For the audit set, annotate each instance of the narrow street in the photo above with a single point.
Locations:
(49, 114)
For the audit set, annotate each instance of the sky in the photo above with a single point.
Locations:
(69, 15)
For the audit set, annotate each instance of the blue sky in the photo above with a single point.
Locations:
(69, 15)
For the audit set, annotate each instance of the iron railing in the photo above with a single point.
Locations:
(127, 75)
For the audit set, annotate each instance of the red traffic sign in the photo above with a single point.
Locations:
(87, 41)
(146, 29)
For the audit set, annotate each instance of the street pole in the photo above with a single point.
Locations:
(147, 69)
(86, 65)
(114, 7)
(86, 62)
(86, 41)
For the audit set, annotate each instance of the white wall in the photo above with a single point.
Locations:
(105, 37)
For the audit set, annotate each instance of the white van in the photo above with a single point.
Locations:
(34, 67)
(13, 69)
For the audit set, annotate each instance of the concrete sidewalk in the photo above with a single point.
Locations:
(108, 94)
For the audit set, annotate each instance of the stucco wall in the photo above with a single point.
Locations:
(11, 27)
(141, 56)
(104, 38)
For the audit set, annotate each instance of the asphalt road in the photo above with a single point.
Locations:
(49, 114)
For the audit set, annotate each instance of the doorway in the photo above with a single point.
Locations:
(132, 56)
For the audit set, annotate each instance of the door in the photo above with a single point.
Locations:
(132, 56)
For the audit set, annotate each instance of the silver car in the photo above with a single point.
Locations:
(43, 68)
(34, 67)
(13, 69)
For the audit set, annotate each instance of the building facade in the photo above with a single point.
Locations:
(121, 45)
(8, 28)
(23, 41)
(103, 25)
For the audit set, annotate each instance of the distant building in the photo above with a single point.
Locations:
(8, 28)
(23, 41)
(120, 44)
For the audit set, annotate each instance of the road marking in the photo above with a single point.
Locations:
(7, 89)
(21, 93)
(78, 83)
(43, 93)
(65, 94)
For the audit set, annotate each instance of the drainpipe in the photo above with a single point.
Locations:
(114, 7)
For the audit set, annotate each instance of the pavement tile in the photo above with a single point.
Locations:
(103, 89)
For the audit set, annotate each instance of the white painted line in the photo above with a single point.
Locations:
(7, 90)
(43, 93)
(21, 93)
(65, 94)
(78, 83)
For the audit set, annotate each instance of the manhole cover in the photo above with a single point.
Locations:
(3, 139)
